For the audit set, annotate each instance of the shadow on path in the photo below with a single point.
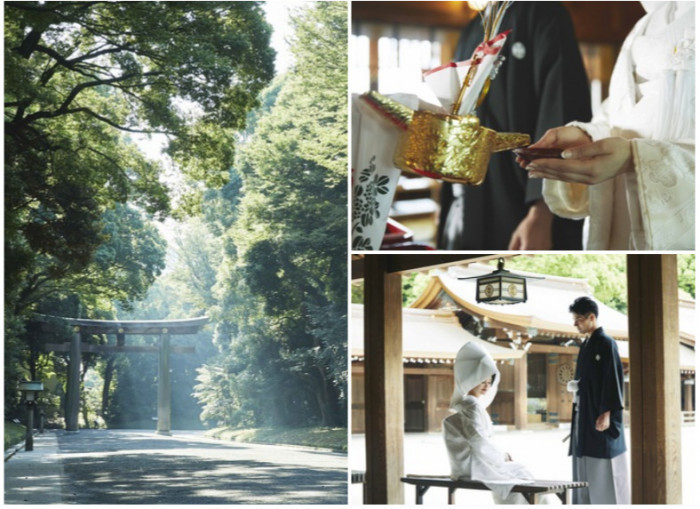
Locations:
(140, 467)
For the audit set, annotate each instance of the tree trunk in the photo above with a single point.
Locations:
(322, 397)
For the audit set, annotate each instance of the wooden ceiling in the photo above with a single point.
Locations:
(594, 22)
(406, 263)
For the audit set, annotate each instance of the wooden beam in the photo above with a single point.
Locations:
(540, 348)
(604, 22)
(405, 263)
(121, 327)
(383, 383)
(88, 348)
(594, 22)
(652, 292)
(434, 14)
(412, 262)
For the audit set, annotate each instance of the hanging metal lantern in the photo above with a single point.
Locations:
(500, 287)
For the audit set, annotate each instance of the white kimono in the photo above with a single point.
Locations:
(473, 454)
(651, 103)
(468, 432)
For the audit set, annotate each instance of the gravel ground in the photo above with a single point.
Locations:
(542, 451)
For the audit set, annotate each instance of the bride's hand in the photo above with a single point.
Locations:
(587, 164)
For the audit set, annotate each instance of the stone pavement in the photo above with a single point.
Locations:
(35, 477)
(140, 467)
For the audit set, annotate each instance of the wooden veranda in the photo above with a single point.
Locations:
(655, 412)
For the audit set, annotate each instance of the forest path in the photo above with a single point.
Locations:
(140, 467)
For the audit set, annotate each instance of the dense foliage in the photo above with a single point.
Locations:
(81, 80)
(260, 246)
(282, 287)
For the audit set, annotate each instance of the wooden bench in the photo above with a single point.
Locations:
(532, 491)
(358, 477)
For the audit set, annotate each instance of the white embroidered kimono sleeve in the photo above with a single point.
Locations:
(652, 104)
(473, 455)
(666, 190)
(573, 201)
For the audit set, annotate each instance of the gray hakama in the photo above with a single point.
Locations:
(608, 478)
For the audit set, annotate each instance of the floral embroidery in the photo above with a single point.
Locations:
(365, 206)
(661, 172)
(684, 52)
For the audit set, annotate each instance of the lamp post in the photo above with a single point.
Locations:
(30, 391)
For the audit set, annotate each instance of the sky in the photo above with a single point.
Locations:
(277, 14)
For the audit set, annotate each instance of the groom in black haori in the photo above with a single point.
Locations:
(597, 432)
(541, 84)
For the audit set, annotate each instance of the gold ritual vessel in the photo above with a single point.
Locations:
(448, 147)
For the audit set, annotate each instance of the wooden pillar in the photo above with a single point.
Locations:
(655, 413)
(552, 388)
(164, 384)
(520, 393)
(384, 413)
(374, 58)
(73, 382)
(431, 404)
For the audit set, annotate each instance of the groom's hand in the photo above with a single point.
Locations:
(535, 231)
(603, 421)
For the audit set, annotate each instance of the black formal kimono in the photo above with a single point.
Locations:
(542, 84)
(598, 457)
(600, 384)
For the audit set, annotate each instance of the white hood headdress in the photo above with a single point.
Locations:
(473, 365)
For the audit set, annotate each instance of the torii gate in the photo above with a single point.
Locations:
(163, 328)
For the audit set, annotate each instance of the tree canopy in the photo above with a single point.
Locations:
(82, 80)
(282, 288)
(81, 77)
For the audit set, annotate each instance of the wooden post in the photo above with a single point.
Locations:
(384, 414)
(374, 58)
(654, 374)
(688, 384)
(552, 388)
(73, 382)
(164, 384)
(520, 393)
(29, 432)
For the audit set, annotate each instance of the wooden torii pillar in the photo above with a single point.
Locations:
(162, 328)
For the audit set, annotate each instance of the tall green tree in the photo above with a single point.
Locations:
(81, 80)
(81, 77)
(283, 290)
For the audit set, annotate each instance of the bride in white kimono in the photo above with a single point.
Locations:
(631, 170)
(467, 433)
